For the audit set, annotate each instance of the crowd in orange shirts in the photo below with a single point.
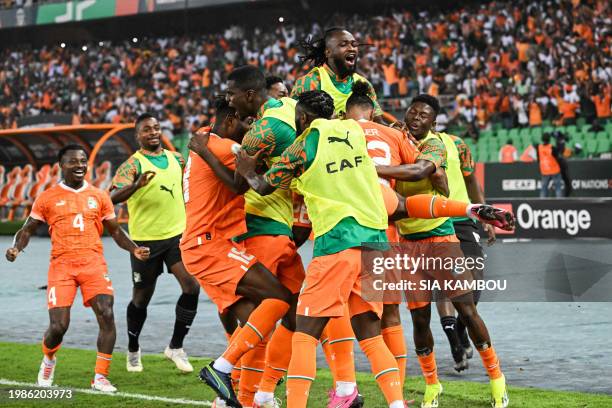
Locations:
(518, 62)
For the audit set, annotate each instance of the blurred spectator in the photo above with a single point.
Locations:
(549, 166)
(508, 153)
(563, 153)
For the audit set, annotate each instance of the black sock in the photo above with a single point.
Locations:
(135, 320)
(186, 309)
(449, 325)
(463, 334)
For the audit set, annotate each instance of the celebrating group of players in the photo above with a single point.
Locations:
(270, 172)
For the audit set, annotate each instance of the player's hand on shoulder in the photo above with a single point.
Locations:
(142, 253)
(199, 141)
(144, 178)
(11, 254)
(245, 163)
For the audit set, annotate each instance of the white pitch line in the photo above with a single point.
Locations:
(183, 401)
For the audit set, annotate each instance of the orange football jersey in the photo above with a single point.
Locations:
(74, 218)
(388, 146)
(210, 206)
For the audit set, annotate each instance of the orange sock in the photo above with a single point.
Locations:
(341, 344)
(491, 362)
(103, 362)
(429, 368)
(278, 355)
(261, 322)
(430, 206)
(302, 370)
(394, 339)
(328, 354)
(253, 363)
(50, 352)
(384, 368)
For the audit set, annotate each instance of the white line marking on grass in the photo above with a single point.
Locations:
(4, 381)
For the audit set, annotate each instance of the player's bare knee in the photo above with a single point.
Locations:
(365, 325)
(107, 316)
(312, 326)
(391, 316)
(58, 328)
(192, 288)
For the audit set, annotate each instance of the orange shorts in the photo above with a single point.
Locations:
(67, 274)
(331, 282)
(443, 251)
(279, 254)
(218, 265)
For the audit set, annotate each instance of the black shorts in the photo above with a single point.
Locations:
(165, 251)
(468, 233)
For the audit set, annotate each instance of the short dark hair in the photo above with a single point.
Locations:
(222, 109)
(142, 117)
(510, 141)
(273, 79)
(317, 103)
(360, 96)
(69, 147)
(248, 77)
(546, 138)
(432, 101)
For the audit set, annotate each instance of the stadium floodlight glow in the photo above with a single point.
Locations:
(84, 48)
(63, 45)
(281, 19)
(101, 44)
(134, 40)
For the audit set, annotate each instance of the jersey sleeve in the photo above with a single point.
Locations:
(465, 156)
(126, 173)
(222, 149)
(308, 82)
(39, 211)
(291, 165)
(407, 150)
(434, 151)
(107, 210)
(260, 137)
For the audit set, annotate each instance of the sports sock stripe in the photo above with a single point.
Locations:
(261, 337)
(342, 339)
(383, 372)
(257, 370)
(431, 206)
(301, 377)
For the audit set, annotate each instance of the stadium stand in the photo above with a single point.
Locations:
(22, 185)
(498, 62)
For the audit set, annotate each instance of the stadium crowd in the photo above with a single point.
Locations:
(517, 63)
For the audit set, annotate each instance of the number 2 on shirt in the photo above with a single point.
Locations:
(78, 222)
(383, 161)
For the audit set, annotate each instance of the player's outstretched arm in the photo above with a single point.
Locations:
(408, 172)
(245, 166)
(122, 194)
(124, 241)
(22, 238)
(199, 145)
(431, 206)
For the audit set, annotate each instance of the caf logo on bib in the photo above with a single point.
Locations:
(92, 203)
